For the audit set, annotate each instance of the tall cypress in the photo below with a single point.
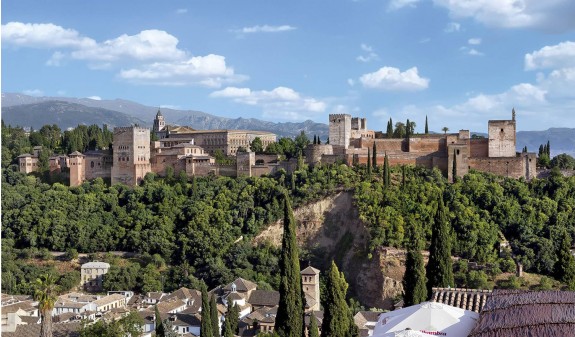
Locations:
(389, 132)
(548, 149)
(337, 321)
(314, 139)
(454, 168)
(386, 173)
(414, 280)
(426, 128)
(565, 265)
(313, 329)
(368, 163)
(231, 322)
(159, 328)
(403, 176)
(440, 268)
(206, 328)
(227, 329)
(374, 156)
(290, 314)
(407, 129)
(214, 317)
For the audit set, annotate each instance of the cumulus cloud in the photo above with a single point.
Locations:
(471, 51)
(368, 54)
(392, 79)
(398, 4)
(95, 98)
(210, 71)
(474, 41)
(558, 56)
(264, 29)
(554, 15)
(148, 57)
(281, 102)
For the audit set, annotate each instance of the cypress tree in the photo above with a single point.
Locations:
(454, 168)
(159, 328)
(414, 280)
(440, 268)
(235, 318)
(290, 314)
(548, 149)
(407, 129)
(386, 173)
(368, 162)
(565, 265)
(374, 156)
(206, 328)
(214, 317)
(403, 176)
(318, 140)
(426, 128)
(314, 139)
(389, 132)
(227, 329)
(337, 320)
(540, 150)
(313, 329)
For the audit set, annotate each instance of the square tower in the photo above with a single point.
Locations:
(131, 155)
(310, 285)
(502, 141)
(339, 129)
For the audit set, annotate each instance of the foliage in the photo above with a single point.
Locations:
(290, 315)
(46, 293)
(565, 265)
(337, 319)
(439, 268)
(214, 317)
(414, 279)
(563, 161)
(313, 328)
(256, 145)
(206, 329)
(129, 326)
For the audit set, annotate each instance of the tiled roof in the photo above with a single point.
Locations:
(527, 313)
(26, 306)
(94, 264)
(33, 330)
(468, 299)
(184, 294)
(31, 319)
(186, 319)
(242, 285)
(267, 298)
(310, 271)
(156, 295)
(234, 297)
(109, 299)
(170, 305)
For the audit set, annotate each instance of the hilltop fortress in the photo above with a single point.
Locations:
(180, 149)
(350, 140)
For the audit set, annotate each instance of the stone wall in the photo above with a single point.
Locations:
(340, 129)
(502, 142)
(479, 147)
(314, 152)
(515, 167)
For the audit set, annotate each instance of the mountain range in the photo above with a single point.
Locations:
(67, 112)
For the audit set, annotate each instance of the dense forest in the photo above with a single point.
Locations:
(200, 228)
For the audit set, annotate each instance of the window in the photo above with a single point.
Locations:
(92, 164)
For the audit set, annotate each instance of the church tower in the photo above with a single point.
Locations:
(310, 285)
(159, 124)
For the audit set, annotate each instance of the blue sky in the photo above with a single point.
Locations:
(460, 62)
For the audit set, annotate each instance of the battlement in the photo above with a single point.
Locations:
(333, 117)
(119, 129)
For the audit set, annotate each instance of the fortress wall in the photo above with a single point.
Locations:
(385, 145)
(260, 170)
(479, 148)
(502, 142)
(426, 145)
(513, 167)
(314, 152)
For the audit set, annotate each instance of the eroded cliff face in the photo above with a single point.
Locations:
(331, 229)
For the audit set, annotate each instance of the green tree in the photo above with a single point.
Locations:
(445, 129)
(337, 320)
(256, 145)
(227, 332)
(159, 325)
(231, 323)
(426, 127)
(46, 293)
(414, 280)
(290, 314)
(389, 131)
(565, 265)
(399, 131)
(313, 328)
(386, 172)
(206, 328)
(214, 317)
(374, 156)
(454, 168)
(440, 268)
(151, 279)
(368, 163)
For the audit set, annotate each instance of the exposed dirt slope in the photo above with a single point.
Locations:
(331, 229)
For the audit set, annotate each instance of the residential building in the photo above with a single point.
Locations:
(92, 275)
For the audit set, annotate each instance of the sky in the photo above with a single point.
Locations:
(458, 62)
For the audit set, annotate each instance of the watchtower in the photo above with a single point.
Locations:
(502, 139)
(131, 155)
(310, 284)
(77, 170)
(339, 129)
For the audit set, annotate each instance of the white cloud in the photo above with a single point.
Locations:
(181, 11)
(398, 4)
(148, 57)
(474, 41)
(452, 27)
(392, 79)
(351, 82)
(556, 15)
(471, 51)
(34, 92)
(146, 45)
(43, 35)
(264, 29)
(557, 56)
(210, 71)
(369, 55)
(281, 102)
(95, 98)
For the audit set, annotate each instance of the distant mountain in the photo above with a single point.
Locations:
(65, 115)
(561, 140)
(144, 115)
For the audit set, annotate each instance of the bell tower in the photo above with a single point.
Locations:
(310, 285)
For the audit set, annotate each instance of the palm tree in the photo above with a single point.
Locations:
(445, 129)
(45, 292)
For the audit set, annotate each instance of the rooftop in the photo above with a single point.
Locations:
(94, 264)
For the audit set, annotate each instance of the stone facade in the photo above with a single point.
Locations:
(350, 141)
(131, 155)
(92, 275)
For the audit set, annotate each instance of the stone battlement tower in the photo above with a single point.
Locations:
(502, 139)
(340, 129)
(131, 157)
